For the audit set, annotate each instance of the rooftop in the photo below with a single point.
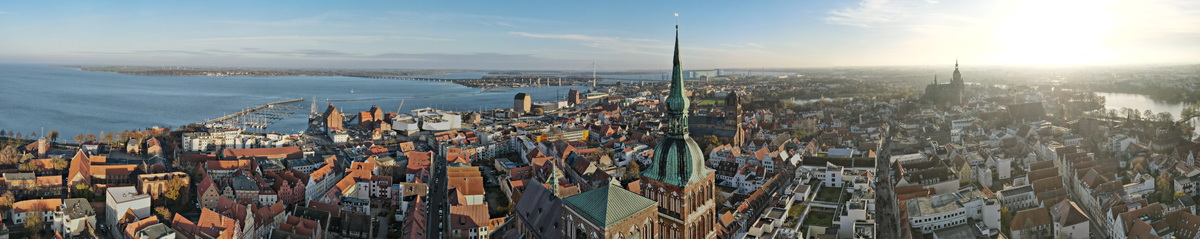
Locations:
(608, 205)
(125, 194)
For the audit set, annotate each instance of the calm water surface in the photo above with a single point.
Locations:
(75, 101)
(1143, 103)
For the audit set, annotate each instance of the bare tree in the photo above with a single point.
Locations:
(53, 135)
(9, 155)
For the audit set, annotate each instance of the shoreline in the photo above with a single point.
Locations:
(487, 82)
(232, 71)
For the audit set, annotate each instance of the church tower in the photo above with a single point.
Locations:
(958, 81)
(678, 179)
(957, 85)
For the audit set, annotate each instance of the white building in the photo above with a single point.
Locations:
(1069, 220)
(438, 120)
(405, 124)
(1018, 198)
(833, 176)
(122, 199)
(928, 214)
(77, 214)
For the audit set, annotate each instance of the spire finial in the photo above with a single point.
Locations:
(677, 21)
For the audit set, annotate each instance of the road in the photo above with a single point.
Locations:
(887, 214)
(439, 207)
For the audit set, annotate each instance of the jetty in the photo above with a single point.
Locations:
(506, 81)
(261, 116)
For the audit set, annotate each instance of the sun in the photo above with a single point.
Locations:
(1055, 32)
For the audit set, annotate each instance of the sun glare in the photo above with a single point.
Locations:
(1055, 32)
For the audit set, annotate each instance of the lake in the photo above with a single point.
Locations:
(72, 101)
(1143, 103)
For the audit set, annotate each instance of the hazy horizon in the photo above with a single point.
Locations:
(616, 36)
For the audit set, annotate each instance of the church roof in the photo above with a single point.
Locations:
(608, 205)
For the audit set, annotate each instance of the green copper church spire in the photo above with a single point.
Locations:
(677, 160)
(677, 101)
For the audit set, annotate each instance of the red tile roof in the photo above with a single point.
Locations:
(132, 229)
(44, 205)
(299, 226)
(1030, 218)
(293, 152)
(468, 216)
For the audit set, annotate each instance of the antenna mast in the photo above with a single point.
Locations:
(401, 106)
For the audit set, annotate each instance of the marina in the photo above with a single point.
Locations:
(261, 116)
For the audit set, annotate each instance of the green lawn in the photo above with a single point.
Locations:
(796, 210)
(711, 101)
(818, 218)
(829, 194)
(793, 215)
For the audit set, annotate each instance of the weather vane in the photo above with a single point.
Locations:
(677, 20)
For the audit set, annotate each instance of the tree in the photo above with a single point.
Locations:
(91, 137)
(9, 156)
(1179, 194)
(53, 135)
(59, 163)
(7, 200)
(28, 167)
(1005, 219)
(538, 111)
(163, 214)
(33, 224)
(708, 142)
(79, 139)
(175, 188)
(632, 171)
(84, 191)
(110, 137)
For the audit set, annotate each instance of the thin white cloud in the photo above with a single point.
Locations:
(296, 22)
(744, 46)
(613, 44)
(866, 14)
(349, 38)
(562, 36)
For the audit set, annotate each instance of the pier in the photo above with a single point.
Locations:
(506, 81)
(262, 116)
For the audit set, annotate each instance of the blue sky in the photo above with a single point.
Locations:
(570, 35)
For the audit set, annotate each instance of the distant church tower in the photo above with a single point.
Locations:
(678, 179)
(733, 117)
(957, 83)
(952, 93)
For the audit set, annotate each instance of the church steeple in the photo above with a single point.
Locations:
(677, 158)
(554, 180)
(958, 81)
(677, 101)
